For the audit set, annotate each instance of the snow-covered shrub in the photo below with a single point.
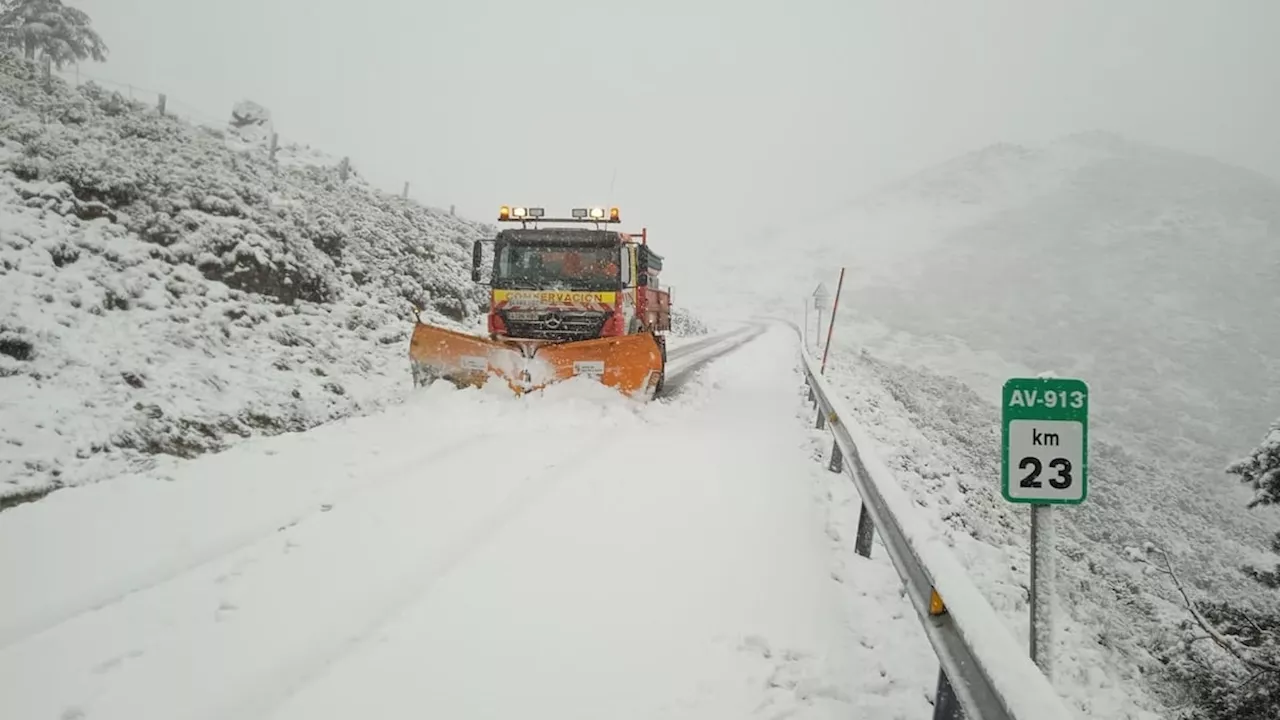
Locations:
(1261, 469)
(684, 323)
(1230, 658)
(167, 288)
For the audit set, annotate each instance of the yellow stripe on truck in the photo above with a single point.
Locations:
(553, 297)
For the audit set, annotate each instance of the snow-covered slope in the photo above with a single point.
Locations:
(1149, 273)
(165, 288)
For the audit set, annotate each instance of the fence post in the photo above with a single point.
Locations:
(344, 168)
(275, 145)
(405, 193)
(451, 210)
(163, 101)
(48, 72)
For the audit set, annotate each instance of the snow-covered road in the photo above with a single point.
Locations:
(469, 555)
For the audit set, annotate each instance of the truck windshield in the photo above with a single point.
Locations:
(552, 267)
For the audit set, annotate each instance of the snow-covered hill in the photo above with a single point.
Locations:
(165, 288)
(1149, 272)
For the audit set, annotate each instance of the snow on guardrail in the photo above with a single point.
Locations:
(981, 667)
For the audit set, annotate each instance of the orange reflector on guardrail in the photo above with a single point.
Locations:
(936, 606)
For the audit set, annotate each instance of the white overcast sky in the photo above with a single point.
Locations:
(716, 115)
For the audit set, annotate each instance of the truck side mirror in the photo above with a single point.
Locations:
(477, 254)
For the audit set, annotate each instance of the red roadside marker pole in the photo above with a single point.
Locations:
(831, 328)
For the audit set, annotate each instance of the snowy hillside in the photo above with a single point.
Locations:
(1147, 272)
(167, 289)
(1150, 274)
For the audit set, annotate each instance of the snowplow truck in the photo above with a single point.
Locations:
(569, 297)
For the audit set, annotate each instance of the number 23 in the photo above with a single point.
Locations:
(1061, 482)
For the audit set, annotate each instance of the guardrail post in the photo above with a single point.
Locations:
(837, 458)
(822, 419)
(866, 530)
(945, 705)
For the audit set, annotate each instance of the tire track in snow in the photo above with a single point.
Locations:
(181, 645)
(13, 633)
(282, 684)
(732, 341)
(695, 346)
(162, 625)
(277, 689)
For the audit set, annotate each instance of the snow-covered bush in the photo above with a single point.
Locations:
(166, 288)
(685, 323)
(1261, 469)
(1230, 661)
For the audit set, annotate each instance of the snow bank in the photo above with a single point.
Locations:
(165, 289)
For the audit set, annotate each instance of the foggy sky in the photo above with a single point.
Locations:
(716, 116)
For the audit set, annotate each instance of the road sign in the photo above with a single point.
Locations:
(821, 298)
(1045, 441)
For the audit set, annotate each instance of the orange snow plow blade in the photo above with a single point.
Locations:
(632, 364)
(465, 360)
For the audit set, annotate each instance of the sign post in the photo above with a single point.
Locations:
(1044, 462)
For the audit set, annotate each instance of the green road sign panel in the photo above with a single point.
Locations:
(1045, 441)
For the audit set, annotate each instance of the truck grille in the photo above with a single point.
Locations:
(558, 325)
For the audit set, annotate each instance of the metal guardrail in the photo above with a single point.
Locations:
(983, 673)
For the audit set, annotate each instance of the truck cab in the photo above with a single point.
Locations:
(562, 284)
